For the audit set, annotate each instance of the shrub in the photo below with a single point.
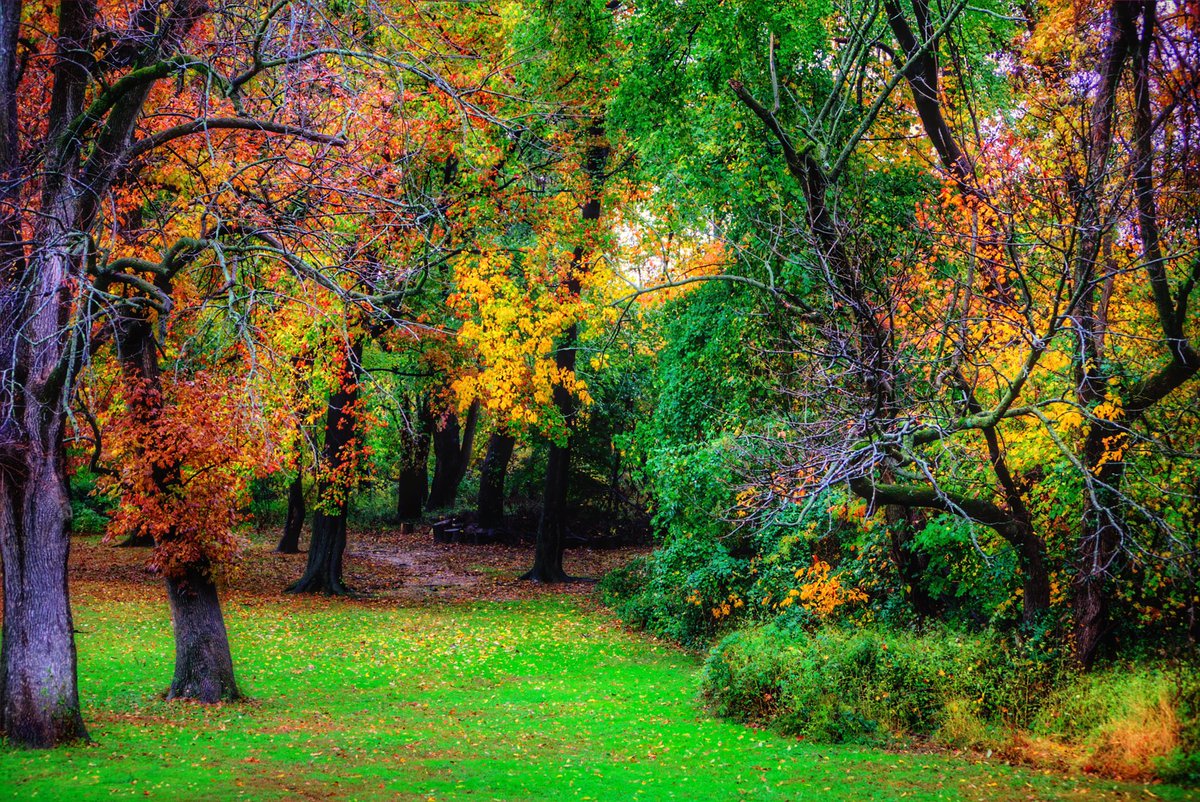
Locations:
(840, 684)
(686, 591)
(90, 508)
(1128, 721)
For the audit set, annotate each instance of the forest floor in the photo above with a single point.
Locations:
(446, 680)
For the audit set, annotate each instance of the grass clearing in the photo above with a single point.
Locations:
(540, 697)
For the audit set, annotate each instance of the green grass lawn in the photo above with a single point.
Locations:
(538, 699)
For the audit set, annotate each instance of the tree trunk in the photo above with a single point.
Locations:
(289, 543)
(38, 691)
(491, 480)
(39, 694)
(323, 573)
(203, 665)
(1100, 534)
(451, 457)
(412, 488)
(552, 528)
(910, 563)
(1031, 554)
(446, 453)
(1099, 543)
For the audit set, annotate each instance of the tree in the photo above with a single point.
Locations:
(552, 527)
(340, 460)
(452, 445)
(185, 454)
(966, 333)
(77, 89)
(490, 504)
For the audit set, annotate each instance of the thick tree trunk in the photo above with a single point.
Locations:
(323, 573)
(412, 488)
(203, 665)
(325, 549)
(39, 695)
(289, 543)
(491, 480)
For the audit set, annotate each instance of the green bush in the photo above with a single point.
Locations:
(841, 684)
(675, 591)
(89, 509)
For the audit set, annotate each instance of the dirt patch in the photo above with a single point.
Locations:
(382, 565)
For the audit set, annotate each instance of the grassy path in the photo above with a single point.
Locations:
(543, 698)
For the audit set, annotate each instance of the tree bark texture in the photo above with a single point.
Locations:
(203, 664)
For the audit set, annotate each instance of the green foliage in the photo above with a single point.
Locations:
(840, 684)
(971, 569)
(89, 511)
(680, 591)
(1180, 767)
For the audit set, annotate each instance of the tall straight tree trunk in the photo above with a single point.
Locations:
(289, 543)
(552, 528)
(412, 487)
(446, 453)
(323, 573)
(451, 456)
(491, 480)
(203, 663)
